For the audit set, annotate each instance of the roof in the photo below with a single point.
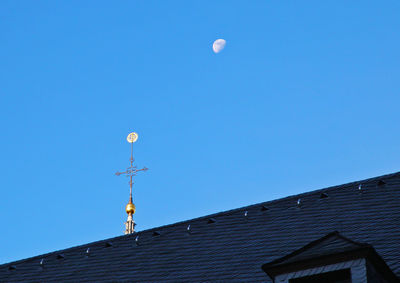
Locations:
(231, 245)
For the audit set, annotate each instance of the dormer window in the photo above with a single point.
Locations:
(339, 276)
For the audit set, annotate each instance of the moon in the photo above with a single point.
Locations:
(219, 45)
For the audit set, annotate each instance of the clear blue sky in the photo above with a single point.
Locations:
(304, 95)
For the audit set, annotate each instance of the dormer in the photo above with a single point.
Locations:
(331, 259)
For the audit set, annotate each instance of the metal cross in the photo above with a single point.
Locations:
(131, 172)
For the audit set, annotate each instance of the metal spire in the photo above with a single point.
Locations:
(131, 172)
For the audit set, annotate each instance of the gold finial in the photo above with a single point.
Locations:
(130, 208)
(131, 171)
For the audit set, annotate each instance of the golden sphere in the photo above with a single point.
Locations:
(130, 208)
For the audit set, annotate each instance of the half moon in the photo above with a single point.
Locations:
(219, 45)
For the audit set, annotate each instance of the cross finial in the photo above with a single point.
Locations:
(131, 172)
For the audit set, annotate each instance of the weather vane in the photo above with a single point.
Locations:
(131, 172)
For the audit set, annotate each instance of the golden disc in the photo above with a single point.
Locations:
(132, 137)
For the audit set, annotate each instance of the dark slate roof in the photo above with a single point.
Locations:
(234, 244)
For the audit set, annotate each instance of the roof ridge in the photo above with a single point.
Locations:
(226, 212)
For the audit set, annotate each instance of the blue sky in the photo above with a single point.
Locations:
(305, 95)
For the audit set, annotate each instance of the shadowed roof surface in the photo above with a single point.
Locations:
(234, 244)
